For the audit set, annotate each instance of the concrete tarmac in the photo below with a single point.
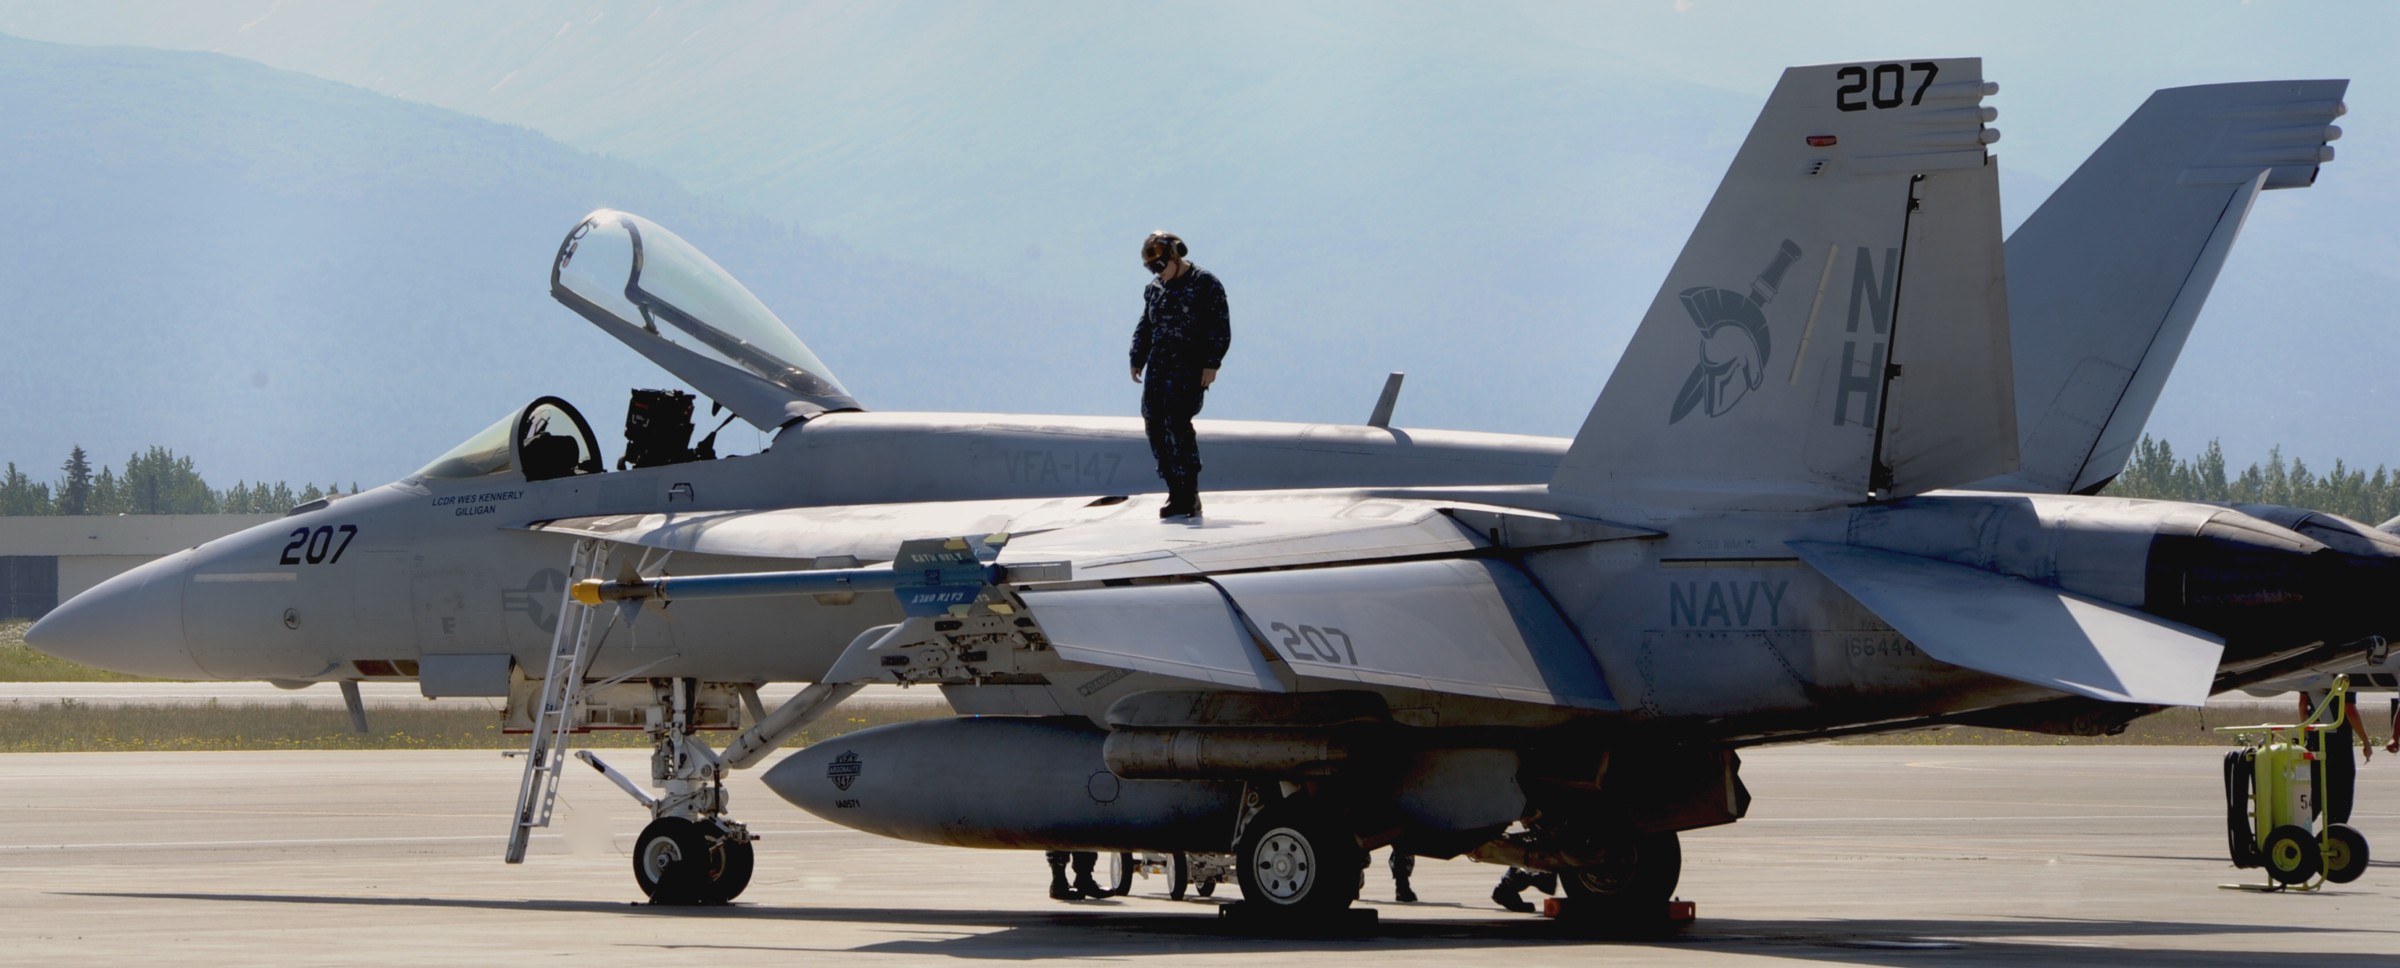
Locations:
(1866, 855)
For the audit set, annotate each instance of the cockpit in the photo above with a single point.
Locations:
(546, 439)
(658, 294)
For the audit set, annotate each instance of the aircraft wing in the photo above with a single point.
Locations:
(865, 532)
(2024, 631)
(1104, 539)
(1272, 591)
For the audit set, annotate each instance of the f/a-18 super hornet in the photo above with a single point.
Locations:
(294, 602)
(1749, 541)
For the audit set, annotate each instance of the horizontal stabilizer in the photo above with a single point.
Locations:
(2031, 633)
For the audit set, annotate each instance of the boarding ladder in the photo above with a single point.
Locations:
(572, 643)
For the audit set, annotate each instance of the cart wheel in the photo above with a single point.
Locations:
(1207, 888)
(2292, 855)
(1179, 876)
(2345, 853)
(1120, 874)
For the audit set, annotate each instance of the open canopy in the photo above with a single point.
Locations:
(658, 294)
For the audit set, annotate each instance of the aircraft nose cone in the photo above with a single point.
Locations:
(132, 623)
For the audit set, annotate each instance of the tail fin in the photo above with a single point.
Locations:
(2106, 279)
(1837, 323)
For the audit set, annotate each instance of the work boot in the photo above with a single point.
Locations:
(1181, 498)
(1059, 891)
(1402, 894)
(1506, 898)
(1089, 889)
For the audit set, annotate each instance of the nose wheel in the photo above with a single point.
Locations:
(678, 861)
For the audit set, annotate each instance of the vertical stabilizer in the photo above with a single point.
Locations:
(1837, 323)
(2108, 276)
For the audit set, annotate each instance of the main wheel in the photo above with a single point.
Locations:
(1649, 874)
(1295, 860)
(2345, 853)
(2291, 854)
(1179, 876)
(1120, 874)
(671, 861)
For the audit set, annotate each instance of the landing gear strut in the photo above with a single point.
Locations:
(691, 853)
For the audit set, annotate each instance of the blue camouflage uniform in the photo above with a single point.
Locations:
(1185, 328)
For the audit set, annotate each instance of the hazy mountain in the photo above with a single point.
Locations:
(292, 278)
(1484, 195)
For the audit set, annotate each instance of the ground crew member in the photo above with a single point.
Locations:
(1181, 340)
(2341, 771)
(1084, 886)
(1403, 864)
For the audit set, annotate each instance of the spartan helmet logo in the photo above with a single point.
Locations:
(843, 771)
(1734, 346)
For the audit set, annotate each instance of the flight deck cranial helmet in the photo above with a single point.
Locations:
(1160, 248)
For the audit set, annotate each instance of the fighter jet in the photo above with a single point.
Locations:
(495, 506)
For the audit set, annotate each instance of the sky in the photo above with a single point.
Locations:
(1020, 142)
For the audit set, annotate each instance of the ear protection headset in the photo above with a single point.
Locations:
(1160, 248)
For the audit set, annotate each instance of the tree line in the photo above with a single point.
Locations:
(2156, 472)
(157, 481)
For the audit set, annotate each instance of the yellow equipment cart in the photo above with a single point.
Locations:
(2275, 793)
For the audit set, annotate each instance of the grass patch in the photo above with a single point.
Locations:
(68, 726)
(21, 664)
(2181, 726)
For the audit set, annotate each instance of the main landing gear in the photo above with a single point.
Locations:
(1296, 861)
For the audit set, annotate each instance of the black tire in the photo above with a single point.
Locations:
(681, 862)
(1656, 867)
(671, 861)
(2345, 853)
(741, 860)
(1297, 861)
(1120, 874)
(2292, 856)
(1179, 877)
(1207, 888)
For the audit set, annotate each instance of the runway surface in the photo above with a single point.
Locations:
(1867, 855)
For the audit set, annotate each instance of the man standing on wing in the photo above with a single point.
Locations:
(1181, 340)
